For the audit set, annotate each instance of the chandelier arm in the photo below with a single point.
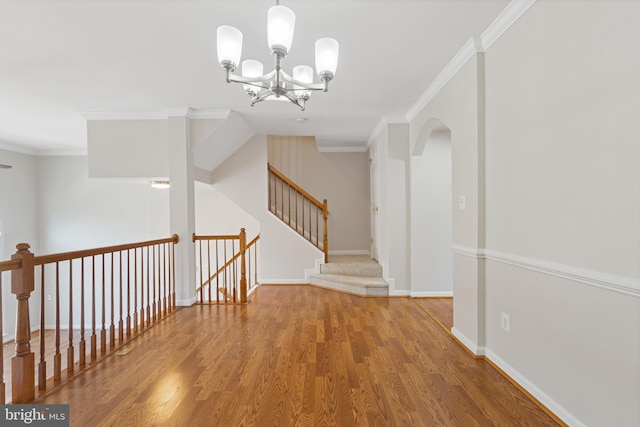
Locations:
(310, 86)
(261, 97)
(294, 100)
(248, 80)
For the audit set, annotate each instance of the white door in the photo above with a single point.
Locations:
(373, 176)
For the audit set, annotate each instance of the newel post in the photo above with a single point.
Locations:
(22, 362)
(325, 240)
(243, 267)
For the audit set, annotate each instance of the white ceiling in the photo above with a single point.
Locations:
(62, 58)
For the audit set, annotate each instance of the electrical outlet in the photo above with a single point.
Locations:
(505, 321)
(48, 297)
(462, 202)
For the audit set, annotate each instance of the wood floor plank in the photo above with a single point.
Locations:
(297, 355)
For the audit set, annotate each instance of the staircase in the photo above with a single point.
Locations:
(355, 274)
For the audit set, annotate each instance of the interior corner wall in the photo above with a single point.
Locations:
(456, 106)
(243, 178)
(563, 202)
(396, 205)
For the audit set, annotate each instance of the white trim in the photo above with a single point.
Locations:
(473, 348)
(165, 113)
(186, 302)
(377, 131)
(123, 115)
(514, 10)
(204, 113)
(342, 148)
(536, 392)
(76, 153)
(464, 54)
(468, 251)
(433, 294)
(399, 293)
(612, 282)
(17, 149)
(284, 282)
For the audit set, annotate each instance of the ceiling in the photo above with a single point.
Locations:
(62, 58)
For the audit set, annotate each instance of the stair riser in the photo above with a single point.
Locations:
(355, 270)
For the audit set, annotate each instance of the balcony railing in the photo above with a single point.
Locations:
(96, 299)
(227, 268)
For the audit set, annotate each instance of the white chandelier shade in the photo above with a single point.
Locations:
(229, 45)
(276, 84)
(281, 22)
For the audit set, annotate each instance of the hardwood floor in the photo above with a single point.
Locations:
(439, 308)
(297, 355)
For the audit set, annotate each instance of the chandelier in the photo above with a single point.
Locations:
(277, 84)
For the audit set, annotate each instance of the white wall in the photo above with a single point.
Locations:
(217, 214)
(551, 237)
(284, 255)
(431, 218)
(18, 213)
(128, 148)
(563, 201)
(78, 212)
(457, 106)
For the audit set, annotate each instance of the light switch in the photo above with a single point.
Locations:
(462, 202)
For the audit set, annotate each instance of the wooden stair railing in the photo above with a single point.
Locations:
(299, 210)
(116, 291)
(223, 268)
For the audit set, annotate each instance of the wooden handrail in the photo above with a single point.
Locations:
(228, 263)
(234, 287)
(295, 186)
(14, 264)
(284, 205)
(65, 256)
(149, 269)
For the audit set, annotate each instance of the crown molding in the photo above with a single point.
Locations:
(58, 153)
(124, 115)
(514, 10)
(342, 148)
(17, 149)
(377, 131)
(204, 113)
(164, 114)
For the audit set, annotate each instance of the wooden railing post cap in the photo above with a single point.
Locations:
(22, 279)
(23, 247)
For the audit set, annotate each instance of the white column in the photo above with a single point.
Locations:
(182, 207)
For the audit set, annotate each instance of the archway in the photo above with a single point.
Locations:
(432, 212)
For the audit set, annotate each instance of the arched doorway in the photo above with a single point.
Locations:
(432, 212)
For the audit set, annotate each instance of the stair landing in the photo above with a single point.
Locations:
(355, 274)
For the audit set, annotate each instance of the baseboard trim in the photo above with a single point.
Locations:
(475, 350)
(186, 302)
(543, 400)
(432, 294)
(283, 282)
